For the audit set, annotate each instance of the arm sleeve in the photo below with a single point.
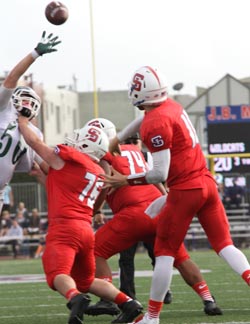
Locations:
(130, 129)
(161, 163)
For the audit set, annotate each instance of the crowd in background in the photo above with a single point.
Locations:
(233, 195)
(18, 223)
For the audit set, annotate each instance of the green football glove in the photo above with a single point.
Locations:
(47, 44)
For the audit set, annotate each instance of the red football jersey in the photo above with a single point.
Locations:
(72, 191)
(169, 127)
(130, 161)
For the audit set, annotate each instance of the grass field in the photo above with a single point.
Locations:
(35, 303)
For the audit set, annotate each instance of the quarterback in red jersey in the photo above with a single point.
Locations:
(72, 187)
(130, 224)
(170, 136)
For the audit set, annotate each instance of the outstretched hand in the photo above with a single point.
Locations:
(99, 219)
(115, 180)
(47, 44)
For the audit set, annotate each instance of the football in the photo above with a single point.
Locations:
(56, 13)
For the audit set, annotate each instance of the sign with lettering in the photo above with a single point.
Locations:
(228, 130)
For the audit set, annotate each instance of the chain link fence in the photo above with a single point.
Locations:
(32, 194)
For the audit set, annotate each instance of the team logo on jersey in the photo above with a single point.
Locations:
(157, 141)
(57, 150)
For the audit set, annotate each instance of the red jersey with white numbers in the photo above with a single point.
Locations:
(72, 191)
(129, 162)
(169, 127)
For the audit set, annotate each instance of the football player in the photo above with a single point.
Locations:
(72, 187)
(131, 224)
(15, 155)
(168, 133)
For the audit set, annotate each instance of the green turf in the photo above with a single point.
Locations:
(35, 303)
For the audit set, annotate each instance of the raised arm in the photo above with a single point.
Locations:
(129, 130)
(46, 45)
(43, 150)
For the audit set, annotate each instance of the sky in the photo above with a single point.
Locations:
(195, 42)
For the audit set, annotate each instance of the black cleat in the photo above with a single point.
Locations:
(77, 305)
(103, 307)
(168, 297)
(210, 308)
(130, 311)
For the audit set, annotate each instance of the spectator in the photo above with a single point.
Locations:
(221, 191)
(5, 222)
(8, 198)
(16, 232)
(34, 222)
(43, 227)
(22, 209)
(22, 221)
(233, 195)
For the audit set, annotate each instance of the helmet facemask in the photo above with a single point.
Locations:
(26, 102)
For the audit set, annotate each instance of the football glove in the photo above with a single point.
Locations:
(47, 44)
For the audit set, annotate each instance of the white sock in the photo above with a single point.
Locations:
(235, 258)
(162, 277)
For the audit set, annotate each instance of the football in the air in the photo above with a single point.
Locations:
(56, 13)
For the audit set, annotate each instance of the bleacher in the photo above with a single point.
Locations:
(28, 242)
(28, 245)
(196, 238)
(239, 220)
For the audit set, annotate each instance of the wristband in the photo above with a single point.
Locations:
(135, 180)
(98, 212)
(34, 54)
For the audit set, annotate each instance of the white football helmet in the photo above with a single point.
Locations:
(90, 140)
(106, 125)
(147, 87)
(26, 101)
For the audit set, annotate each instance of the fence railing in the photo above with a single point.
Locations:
(31, 193)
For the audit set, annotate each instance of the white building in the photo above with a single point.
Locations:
(60, 114)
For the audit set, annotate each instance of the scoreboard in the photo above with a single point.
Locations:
(228, 130)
